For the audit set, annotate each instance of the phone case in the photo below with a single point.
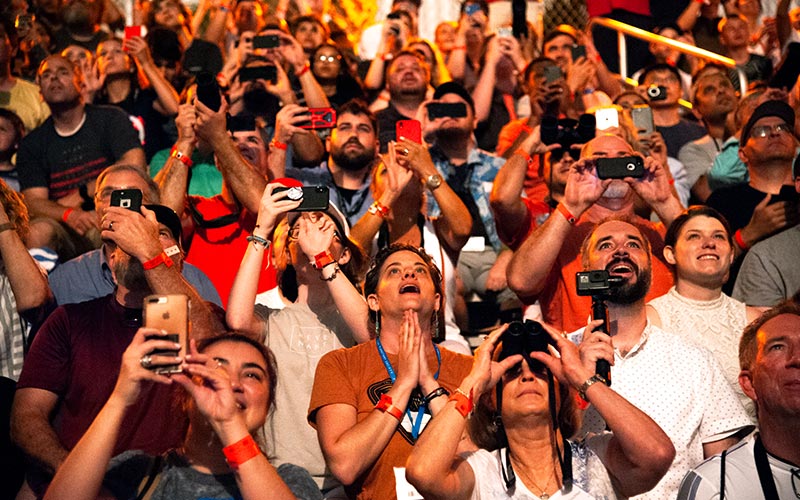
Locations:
(169, 313)
(320, 118)
(410, 129)
(642, 117)
(619, 168)
(127, 198)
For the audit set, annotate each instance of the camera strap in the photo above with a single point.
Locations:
(215, 223)
(764, 472)
(421, 407)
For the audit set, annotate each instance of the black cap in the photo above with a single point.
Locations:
(168, 217)
(768, 108)
(454, 88)
(202, 56)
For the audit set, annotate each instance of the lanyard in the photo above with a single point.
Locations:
(764, 472)
(416, 424)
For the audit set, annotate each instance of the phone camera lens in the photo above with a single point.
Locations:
(631, 166)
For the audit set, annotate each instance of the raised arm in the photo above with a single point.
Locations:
(167, 98)
(28, 284)
(173, 179)
(81, 474)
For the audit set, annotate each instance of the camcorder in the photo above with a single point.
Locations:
(524, 338)
(596, 283)
(567, 132)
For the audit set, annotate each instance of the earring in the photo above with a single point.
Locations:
(377, 324)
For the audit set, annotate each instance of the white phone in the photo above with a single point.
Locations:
(606, 118)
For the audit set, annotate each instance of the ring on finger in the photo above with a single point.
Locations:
(405, 151)
(146, 361)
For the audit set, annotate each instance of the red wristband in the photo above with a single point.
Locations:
(737, 236)
(66, 214)
(566, 213)
(323, 259)
(156, 261)
(378, 209)
(463, 402)
(181, 157)
(385, 406)
(241, 451)
(303, 71)
(275, 143)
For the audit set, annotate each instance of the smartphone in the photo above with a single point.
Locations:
(505, 32)
(578, 51)
(606, 118)
(127, 198)
(132, 31)
(266, 41)
(552, 73)
(169, 313)
(208, 91)
(5, 97)
(446, 109)
(642, 116)
(519, 18)
(251, 73)
(320, 118)
(619, 168)
(315, 198)
(410, 129)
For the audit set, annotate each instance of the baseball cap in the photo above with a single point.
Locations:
(768, 108)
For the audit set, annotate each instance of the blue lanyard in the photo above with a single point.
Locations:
(415, 428)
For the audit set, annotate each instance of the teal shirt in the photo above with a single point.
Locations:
(206, 180)
(728, 169)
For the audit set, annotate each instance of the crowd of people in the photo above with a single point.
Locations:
(444, 254)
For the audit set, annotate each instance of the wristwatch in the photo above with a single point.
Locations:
(433, 181)
(590, 382)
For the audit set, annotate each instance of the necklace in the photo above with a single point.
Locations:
(543, 495)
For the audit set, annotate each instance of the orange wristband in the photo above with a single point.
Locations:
(303, 71)
(275, 143)
(566, 213)
(737, 236)
(174, 153)
(156, 261)
(66, 214)
(385, 405)
(463, 402)
(323, 259)
(521, 152)
(241, 451)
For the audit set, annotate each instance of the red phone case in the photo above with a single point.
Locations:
(410, 129)
(132, 31)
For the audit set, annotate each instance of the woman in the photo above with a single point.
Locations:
(316, 263)
(151, 104)
(525, 424)
(172, 15)
(230, 385)
(699, 247)
(333, 75)
(398, 217)
(361, 395)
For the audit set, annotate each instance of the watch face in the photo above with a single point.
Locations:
(434, 181)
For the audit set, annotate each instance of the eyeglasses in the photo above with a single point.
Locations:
(294, 233)
(328, 59)
(762, 131)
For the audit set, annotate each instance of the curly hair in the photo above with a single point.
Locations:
(15, 209)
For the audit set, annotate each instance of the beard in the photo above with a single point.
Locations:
(352, 161)
(630, 292)
(448, 134)
(130, 274)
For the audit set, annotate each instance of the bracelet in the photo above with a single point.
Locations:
(332, 276)
(156, 261)
(241, 451)
(528, 159)
(385, 406)
(588, 91)
(303, 71)
(5, 227)
(323, 259)
(258, 240)
(441, 391)
(275, 143)
(66, 213)
(460, 47)
(590, 382)
(566, 213)
(183, 158)
(463, 402)
(737, 236)
(378, 209)
(387, 57)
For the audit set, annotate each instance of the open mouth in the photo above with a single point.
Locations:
(621, 268)
(409, 289)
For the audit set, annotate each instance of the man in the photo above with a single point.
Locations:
(23, 98)
(59, 161)
(545, 264)
(734, 35)
(90, 276)
(693, 403)
(666, 112)
(74, 361)
(769, 274)
(407, 79)
(352, 146)
(768, 203)
(469, 171)
(766, 464)
(702, 19)
(713, 103)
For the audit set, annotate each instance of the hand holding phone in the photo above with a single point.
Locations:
(409, 129)
(127, 198)
(171, 314)
(620, 168)
(315, 198)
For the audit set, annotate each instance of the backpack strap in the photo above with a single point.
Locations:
(149, 482)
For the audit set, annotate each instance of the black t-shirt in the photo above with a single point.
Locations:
(387, 119)
(63, 164)
(676, 136)
(139, 106)
(738, 202)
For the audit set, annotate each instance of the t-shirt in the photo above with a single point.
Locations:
(299, 337)
(358, 378)
(179, 481)
(76, 355)
(387, 120)
(769, 272)
(219, 251)
(738, 202)
(139, 105)
(27, 103)
(741, 476)
(677, 136)
(63, 164)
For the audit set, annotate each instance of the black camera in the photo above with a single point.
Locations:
(524, 338)
(567, 132)
(656, 92)
(595, 282)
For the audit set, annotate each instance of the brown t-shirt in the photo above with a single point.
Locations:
(357, 377)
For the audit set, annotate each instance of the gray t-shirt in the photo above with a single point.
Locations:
(179, 481)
